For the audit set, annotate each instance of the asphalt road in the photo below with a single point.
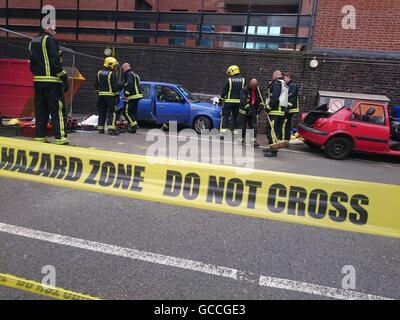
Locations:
(141, 250)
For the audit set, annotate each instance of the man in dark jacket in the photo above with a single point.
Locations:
(132, 94)
(293, 106)
(106, 86)
(50, 84)
(251, 105)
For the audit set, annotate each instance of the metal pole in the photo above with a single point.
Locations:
(311, 31)
(298, 24)
(201, 24)
(158, 20)
(247, 23)
(7, 7)
(40, 21)
(116, 20)
(72, 85)
(78, 14)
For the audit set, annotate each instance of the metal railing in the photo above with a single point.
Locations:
(155, 20)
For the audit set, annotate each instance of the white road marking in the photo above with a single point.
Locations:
(187, 264)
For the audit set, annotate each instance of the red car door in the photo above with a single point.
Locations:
(369, 127)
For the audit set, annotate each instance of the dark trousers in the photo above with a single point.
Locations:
(248, 121)
(49, 100)
(130, 112)
(276, 122)
(227, 110)
(107, 110)
(286, 131)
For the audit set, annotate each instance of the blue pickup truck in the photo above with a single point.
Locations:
(164, 102)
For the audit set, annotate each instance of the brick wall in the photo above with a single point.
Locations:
(377, 25)
(203, 71)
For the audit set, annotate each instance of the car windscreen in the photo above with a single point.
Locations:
(188, 95)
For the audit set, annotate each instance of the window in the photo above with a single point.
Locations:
(146, 90)
(371, 113)
(177, 41)
(188, 95)
(266, 31)
(206, 29)
(167, 94)
(177, 27)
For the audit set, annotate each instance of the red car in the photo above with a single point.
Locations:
(344, 122)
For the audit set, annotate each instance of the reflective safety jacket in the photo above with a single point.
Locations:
(106, 83)
(232, 89)
(293, 101)
(278, 95)
(132, 86)
(250, 101)
(45, 59)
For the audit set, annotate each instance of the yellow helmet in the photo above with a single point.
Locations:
(110, 62)
(232, 70)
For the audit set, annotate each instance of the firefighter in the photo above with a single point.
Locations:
(251, 105)
(277, 104)
(293, 106)
(230, 96)
(132, 94)
(106, 86)
(50, 84)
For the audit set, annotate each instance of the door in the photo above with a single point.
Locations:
(369, 127)
(170, 105)
(145, 108)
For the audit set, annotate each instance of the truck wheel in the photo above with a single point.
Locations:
(202, 123)
(338, 148)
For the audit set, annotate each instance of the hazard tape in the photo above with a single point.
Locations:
(316, 201)
(11, 281)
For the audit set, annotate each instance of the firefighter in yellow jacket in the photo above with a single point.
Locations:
(132, 94)
(230, 96)
(50, 84)
(106, 85)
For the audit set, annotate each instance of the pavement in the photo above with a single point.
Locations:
(119, 248)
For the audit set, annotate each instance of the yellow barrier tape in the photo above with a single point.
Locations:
(11, 281)
(316, 201)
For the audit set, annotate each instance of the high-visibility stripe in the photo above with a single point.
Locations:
(230, 89)
(46, 56)
(106, 93)
(136, 79)
(242, 111)
(284, 128)
(61, 73)
(232, 100)
(128, 116)
(46, 79)
(276, 113)
(109, 82)
(137, 96)
(273, 135)
(61, 120)
(114, 117)
(41, 139)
